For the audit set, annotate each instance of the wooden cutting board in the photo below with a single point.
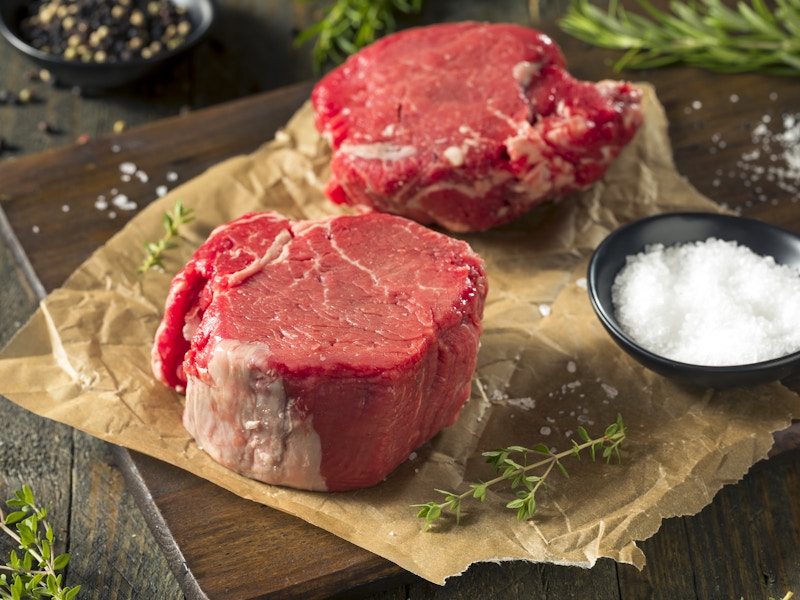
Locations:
(50, 200)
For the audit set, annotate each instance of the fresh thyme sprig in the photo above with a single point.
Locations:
(751, 37)
(34, 575)
(349, 25)
(517, 471)
(173, 220)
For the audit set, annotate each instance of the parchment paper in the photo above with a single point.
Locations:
(545, 366)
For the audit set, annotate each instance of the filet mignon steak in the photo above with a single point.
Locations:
(467, 125)
(320, 354)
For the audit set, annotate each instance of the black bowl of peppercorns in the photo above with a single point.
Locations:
(100, 44)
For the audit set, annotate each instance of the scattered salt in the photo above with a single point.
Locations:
(523, 403)
(161, 191)
(710, 303)
(172, 176)
(544, 310)
(545, 430)
(610, 390)
(65, 208)
(35, 229)
(127, 167)
(122, 202)
(571, 366)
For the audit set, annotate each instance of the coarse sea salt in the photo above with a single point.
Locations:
(710, 303)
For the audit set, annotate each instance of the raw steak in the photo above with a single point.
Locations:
(467, 125)
(319, 354)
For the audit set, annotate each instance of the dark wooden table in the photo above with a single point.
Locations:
(119, 514)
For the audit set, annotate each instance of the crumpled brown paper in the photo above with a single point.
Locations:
(545, 368)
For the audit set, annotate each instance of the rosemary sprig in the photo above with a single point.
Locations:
(517, 472)
(173, 220)
(35, 574)
(349, 25)
(707, 34)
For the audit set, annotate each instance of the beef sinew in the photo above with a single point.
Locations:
(319, 354)
(467, 125)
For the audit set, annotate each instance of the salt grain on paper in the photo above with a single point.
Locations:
(610, 390)
(716, 303)
(523, 403)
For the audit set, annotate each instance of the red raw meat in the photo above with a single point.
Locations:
(319, 354)
(467, 125)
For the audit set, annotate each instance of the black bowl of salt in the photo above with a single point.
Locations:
(707, 299)
(99, 44)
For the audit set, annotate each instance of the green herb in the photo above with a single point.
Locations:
(349, 25)
(172, 221)
(35, 574)
(515, 464)
(751, 37)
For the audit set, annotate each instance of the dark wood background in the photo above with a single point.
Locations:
(123, 516)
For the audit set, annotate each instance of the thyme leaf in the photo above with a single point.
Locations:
(173, 220)
(706, 34)
(515, 465)
(35, 574)
(348, 25)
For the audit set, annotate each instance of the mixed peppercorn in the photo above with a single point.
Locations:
(102, 31)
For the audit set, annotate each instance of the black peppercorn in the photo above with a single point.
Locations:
(103, 31)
